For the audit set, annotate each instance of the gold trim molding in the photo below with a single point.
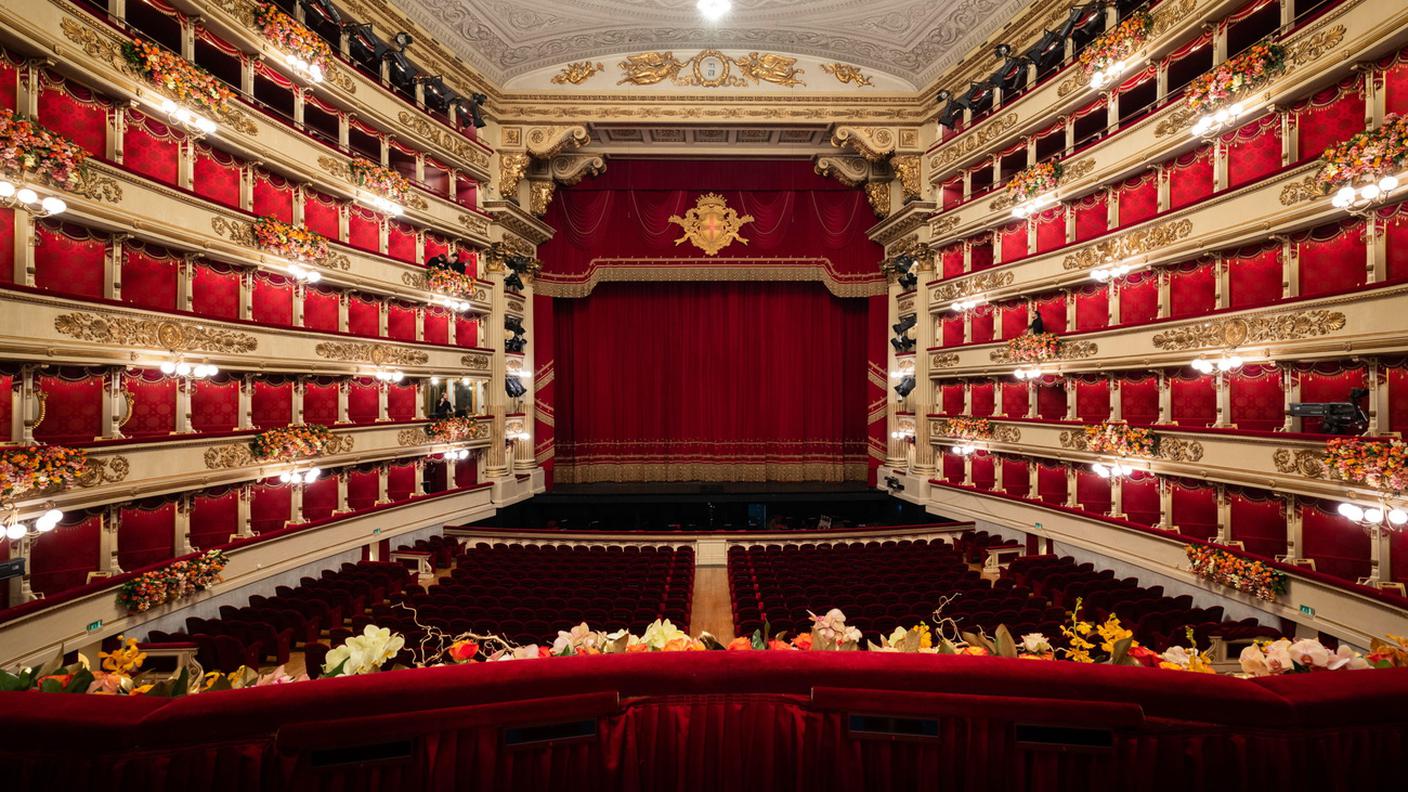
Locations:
(847, 74)
(1303, 462)
(166, 334)
(711, 225)
(987, 281)
(1135, 243)
(1069, 350)
(1235, 332)
(375, 354)
(476, 362)
(577, 73)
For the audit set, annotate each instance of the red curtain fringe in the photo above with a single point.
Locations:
(76, 91)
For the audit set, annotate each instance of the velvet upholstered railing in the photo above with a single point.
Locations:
(712, 720)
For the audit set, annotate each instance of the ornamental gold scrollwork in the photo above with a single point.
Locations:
(847, 74)
(878, 193)
(1071, 84)
(1166, 18)
(475, 224)
(334, 166)
(1287, 326)
(476, 362)
(1001, 202)
(873, 143)
(1303, 462)
(1069, 350)
(1077, 170)
(512, 168)
(970, 144)
(984, 282)
(571, 169)
(546, 142)
(1176, 449)
(540, 196)
(1178, 120)
(375, 354)
(577, 73)
(1314, 47)
(1074, 441)
(943, 225)
(444, 138)
(649, 68)
(153, 333)
(98, 187)
(102, 46)
(104, 470)
(239, 232)
(228, 455)
(1134, 243)
(850, 171)
(943, 360)
(1003, 433)
(770, 67)
(711, 225)
(907, 170)
(340, 79)
(412, 437)
(1298, 191)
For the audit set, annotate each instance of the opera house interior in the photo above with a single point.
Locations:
(548, 394)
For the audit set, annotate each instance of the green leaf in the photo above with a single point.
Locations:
(1121, 651)
(337, 671)
(947, 647)
(80, 682)
(10, 681)
(53, 666)
(51, 685)
(220, 682)
(1006, 647)
(979, 640)
(182, 683)
(760, 640)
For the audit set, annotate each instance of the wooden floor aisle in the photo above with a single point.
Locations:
(712, 611)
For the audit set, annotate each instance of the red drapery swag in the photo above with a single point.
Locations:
(983, 398)
(153, 404)
(1015, 478)
(73, 407)
(1139, 298)
(68, 259)
(1139, 497)
(62, 558)
(273, 196)
(701, 381)
(363, 316)
(1253, 151)
(362, 401)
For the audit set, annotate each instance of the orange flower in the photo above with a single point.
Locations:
(976, 651)
(741, 644)
(803, 641)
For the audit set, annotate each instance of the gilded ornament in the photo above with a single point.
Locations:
(850, 171)
(711, 225)
(879, 194)
(412, 437)
(176, 336)
(375, 354)
(1234, 332)
(577, 73)
(570, 169)
(512, 168)
(964, 146)
(1176, 449)
(228, 455)
(907, 168)
(847, 75)
(1178, 120)
(944, 224)
(441, 136)
(1298, 191)
(1314, 47)
(475, 361)
(1074, 441)
(475, 224)
(97, 187)
(769, 67)
(1068, 350)
(1071, 84)
(237, 231)
(105, 47)
(334, 166)
(540, 196)
(340, 79)
(942, 360)
(546, 142)
(1001, 203)
(978, 284)
(873, 143)
(710, 69)
(1135, 243)
(649, 68)
(104, 470)
(1302, 462)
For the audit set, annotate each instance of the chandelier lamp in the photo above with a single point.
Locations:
(1210, 124)
(454, 454)
(906, 435)
(1031, 206)
(16, 529)
(381, 204)
(1372, 518)
(965, 449)
(1224, 363)
(1028, 373)
(1113, 271)
(1364, 198)
(13, 196)
(1112, 470)
(300, 476)
(463, 380)
(458, 306)
(389, 375)
(181, 368)
(968, 303)
(310, 72)
(303, 274)
(187, 119)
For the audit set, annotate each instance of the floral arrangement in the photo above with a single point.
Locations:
(290, 241)
(172, 582)
(1039, 179)
(1244, 574)
(969, 428)
(365, 653)
(1366, 156)
(182, 80)
(1117, 44)
(295, 40)
(447, 430)
(1120, 439)
(1382, 464)
(30, 468)
(1033, 347)
(447, 281)
(379, 179)
(29, 149)
(1243, 73)
(1269, 658)
(291, 442)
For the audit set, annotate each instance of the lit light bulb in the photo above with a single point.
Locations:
(1398, 516)
(1388, 183)
(1101, 470)
(1368, 192)
(1221, 116)
(285, 477)
(464, 380)
(168, 368)
(15, 531)
(1351, 512)
(6, 189)
(314, 277)
(183, 369)
(48, 520)
(26, 196)
(434, 380)
(53, 205)
(211, 369)
(312, 475)
(206, 126)
(1374, 514)
(714, 10)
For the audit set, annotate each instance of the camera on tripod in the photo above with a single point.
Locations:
(1336, 418)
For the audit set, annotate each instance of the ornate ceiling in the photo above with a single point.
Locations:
(911, 39)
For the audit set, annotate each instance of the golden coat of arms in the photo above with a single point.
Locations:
(711, 225)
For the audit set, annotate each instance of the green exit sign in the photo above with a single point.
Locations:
(95, 626)
(376, 532)
(1307, 610)
(1036, 526)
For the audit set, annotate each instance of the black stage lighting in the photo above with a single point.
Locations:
(514, 388)
(321, 11)
(513, 282)
(905, 386)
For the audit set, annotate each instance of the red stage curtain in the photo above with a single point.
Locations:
(214, 518)
(1338, 546)
(1253, 150)
(363, 316)
(1138, 199)
(151, 148)
(1051, 229)
(1015, 399)
(362, 401)
(981, 328)
(1013, 238)
(1194, 509)
(1194, 400)
(320, 213)
(1329, 382)
(1139, 298)
(1329, 117)
(1092, 216)
(698, 396)
(68, 259)
(215, 405)
(1190, 177)
(1192, 289)
(1015, 479)
(1093, 492)
(273, 300)
(362, 487)
(980, 254)
(217, 176)
(153, 404)
(363, 229)
(1051, 483)
(320, 498)
(1051, 399)
(215, 291)
(401, 401)
(400, 322)
(1139, 400)
(952, 260)
(950, 330)
(1258, 521)
(400, 482)
(1053, 312)
(272, 404)
(983, 395)
(319, 402)
(1139, 498)
(74, 407)
(1254, 276)
(1092, 400)
(61, 559)
(145, 535)
(320, 309)
(1093, 307)
(270, 506)
(435, 326)
(1258, 402)
(401, 241)
(466, 331)
(149, 276)
(1014, 319)
(983, 475)
(1332, 258)
(951, 399)
(273, 196)
(74, 112)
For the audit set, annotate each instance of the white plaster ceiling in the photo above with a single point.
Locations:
(911, 39)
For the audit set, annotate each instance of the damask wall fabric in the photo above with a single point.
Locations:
(145, 534)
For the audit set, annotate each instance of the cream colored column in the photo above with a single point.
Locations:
(109, 522)
(185, 284)
(112, 405)
(183, 405)
(383, 401)
(243, 526)
(1378, 398)
(300, 391)
(419, 414)
(497, 460)
(295, 509)
(23, 248)
(112, 268)
(922, 399)
(1290, 386)
(342, 321)
(1295, 530)
(1224, 516)
(1071, 486)
(1165, 504)
(1117, 497)
(998, 482)
(418, 484)
(244, 413)
(525, 457)
(1116, 403)
(1380, 557)
(342, 400)
(382, 485)
(31, 409)
(1165, 399)
(1223, 390)
(342, 507)
(1070, 385)
(181, 533)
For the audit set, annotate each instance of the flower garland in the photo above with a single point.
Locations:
(29, 468)
(451, 429)
(290, 241)
(379, 179)
(1382, 464)
(1244, 574)
(1366, 156)
(295, 40)
(1119, 439)
(186, 82)
(447, 281)
(172, 582)
(29, 149)
(969, 428)
(1117, 44)
(1243, 73)
(1039, 179)
(1270, 658)
(1033, 347)
(291, 442)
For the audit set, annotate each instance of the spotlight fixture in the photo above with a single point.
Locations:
(17, 196)
(1002, 50)
(363, 45)
(905, 386)
(714, 10)
(944, 95)
(476, 103)
(514, 282)
(324, 10)
(402, 40)
(1048, 50)
(1081, 19)
(513, 387)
